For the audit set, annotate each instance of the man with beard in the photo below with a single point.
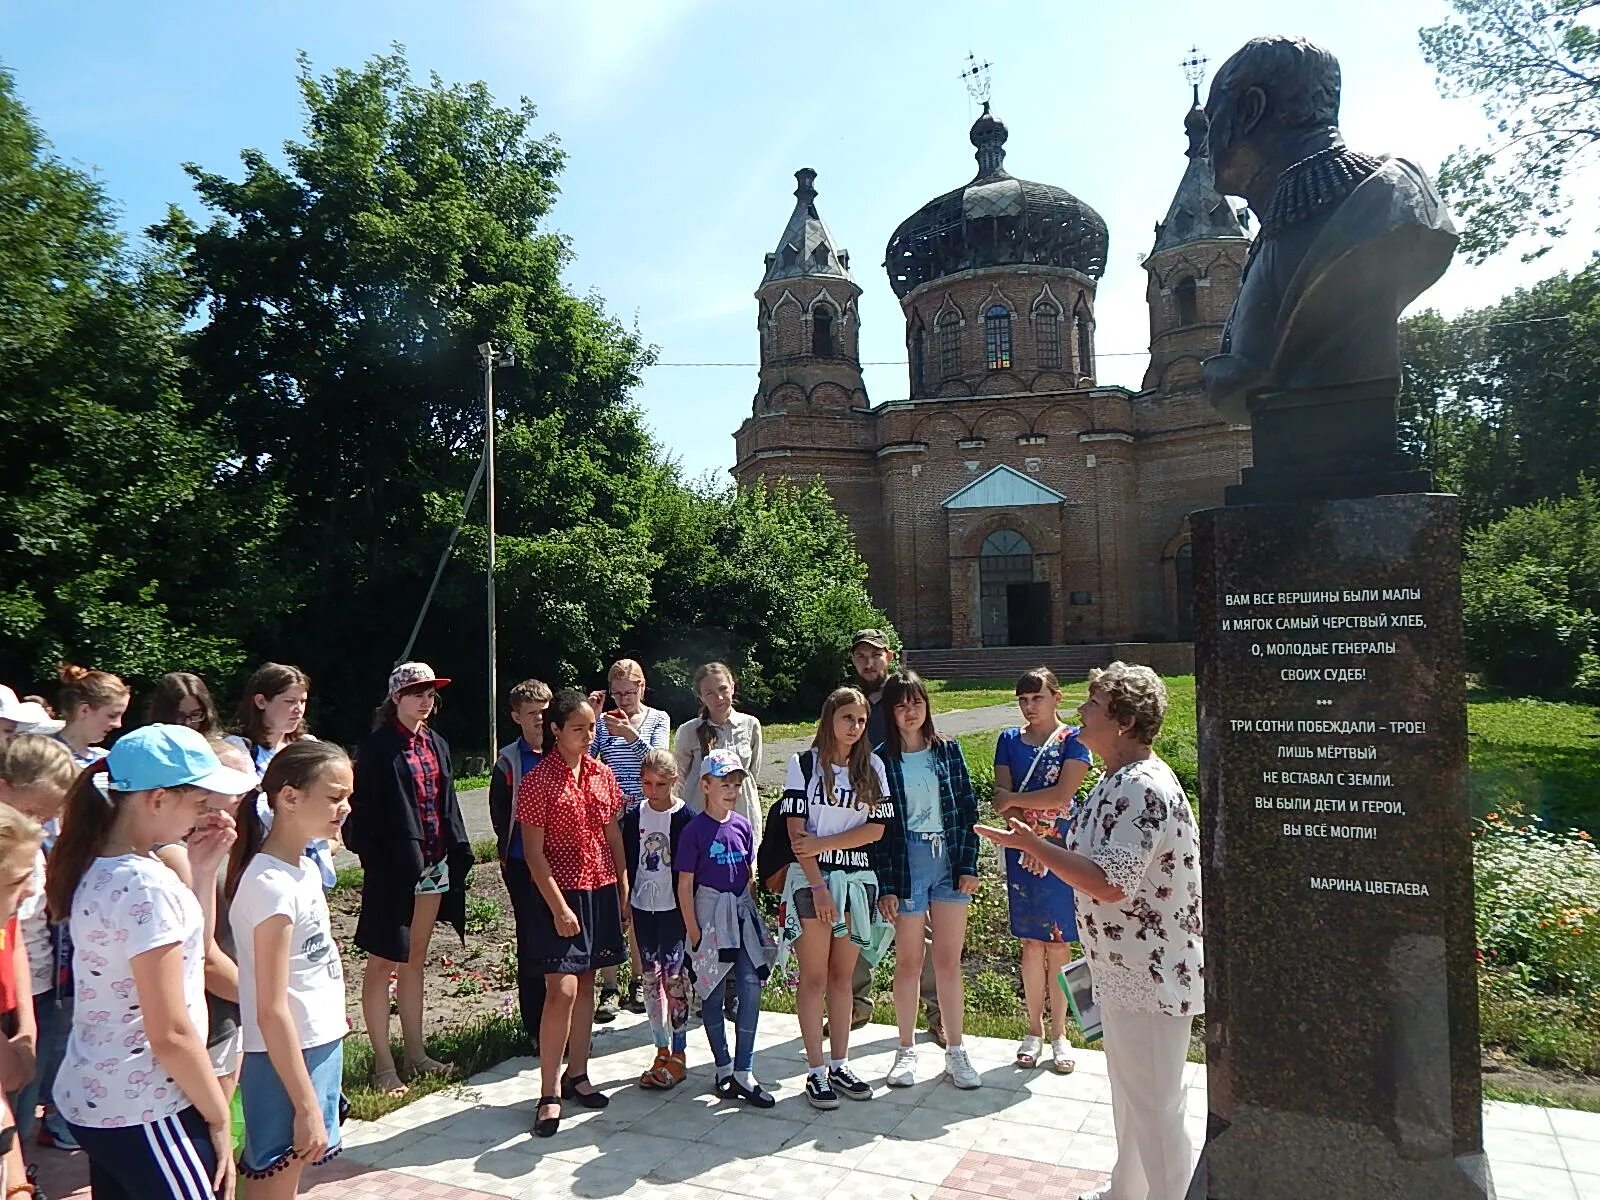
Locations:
(872, 660)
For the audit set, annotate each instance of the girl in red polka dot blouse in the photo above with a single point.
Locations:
(568, 808)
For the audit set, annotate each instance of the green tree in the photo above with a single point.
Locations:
(117, 547)
(1531, 595)
(341, 293)
(766, 579)
(1503, 403)
(1535, 67)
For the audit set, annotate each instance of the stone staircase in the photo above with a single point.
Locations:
(1070, 663)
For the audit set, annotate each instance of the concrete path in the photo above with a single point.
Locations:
(1022, 1136)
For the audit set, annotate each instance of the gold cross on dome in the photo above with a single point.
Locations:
(977, 79)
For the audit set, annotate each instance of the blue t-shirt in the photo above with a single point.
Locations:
(923, 813)
(717, 853)
(1016, 755)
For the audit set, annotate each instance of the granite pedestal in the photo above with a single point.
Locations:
(1341, 1000)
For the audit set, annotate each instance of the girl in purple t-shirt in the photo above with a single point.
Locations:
(720, 915)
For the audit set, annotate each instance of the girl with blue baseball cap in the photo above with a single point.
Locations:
(136, 1084)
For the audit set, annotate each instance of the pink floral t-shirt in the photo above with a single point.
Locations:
(125, 907)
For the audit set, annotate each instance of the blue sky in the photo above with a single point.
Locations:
(684, 121)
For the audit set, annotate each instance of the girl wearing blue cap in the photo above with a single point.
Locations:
(136, 1084)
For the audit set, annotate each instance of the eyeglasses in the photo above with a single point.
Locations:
(191, 716)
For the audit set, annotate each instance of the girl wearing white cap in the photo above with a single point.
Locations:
(405, 824)
(136, 1083)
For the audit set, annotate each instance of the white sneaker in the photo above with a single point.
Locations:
(959, 1067)
(1100, 1193)
(904, 1071)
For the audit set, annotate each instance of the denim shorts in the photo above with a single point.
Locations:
(932, 874)
(269, 1113)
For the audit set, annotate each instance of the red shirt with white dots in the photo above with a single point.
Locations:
(573, 812)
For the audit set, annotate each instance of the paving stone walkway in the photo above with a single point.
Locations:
(1021, 1136)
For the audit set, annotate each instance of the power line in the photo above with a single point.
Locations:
(1123, 353)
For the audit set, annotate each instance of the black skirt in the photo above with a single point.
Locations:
(598, 942)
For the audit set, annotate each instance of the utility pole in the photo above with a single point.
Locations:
(488, 360)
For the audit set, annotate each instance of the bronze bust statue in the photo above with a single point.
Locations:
(1310, 355)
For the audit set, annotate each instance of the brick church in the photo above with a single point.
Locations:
(1009, 500)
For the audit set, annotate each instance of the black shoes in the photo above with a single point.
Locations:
(547, 1126)
(847, 1081)
(606, 1010)
(589, 1099)
(819, 1092)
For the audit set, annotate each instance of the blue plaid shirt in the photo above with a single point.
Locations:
(958, 808)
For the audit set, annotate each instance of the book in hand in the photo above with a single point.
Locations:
(1075, 983)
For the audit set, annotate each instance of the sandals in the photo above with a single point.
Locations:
(1029, 1051)
(426, 1066)
(388, 1083)
(668, 1071)
(547, 1126)
(590, 1099)
(1061, 1057)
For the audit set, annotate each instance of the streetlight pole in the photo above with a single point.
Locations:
(488, 360)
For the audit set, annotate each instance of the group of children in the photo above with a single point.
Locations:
(167, 911)
(186, 947)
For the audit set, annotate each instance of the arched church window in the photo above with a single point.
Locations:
(919, 368)
(1183, 578)
(1047, 334)
(949, 328)
(822, 331)
(997, 338)
(1085, 347)
(1188, 309)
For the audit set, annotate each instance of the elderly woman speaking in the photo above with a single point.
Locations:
(1133, 859)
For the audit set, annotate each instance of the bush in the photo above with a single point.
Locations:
(1531, 591)
(1538, 907)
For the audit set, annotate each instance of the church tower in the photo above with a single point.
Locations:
(810, 419)
(808, 317)
(1194, 269)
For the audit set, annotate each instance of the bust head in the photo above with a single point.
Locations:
(1272, 98)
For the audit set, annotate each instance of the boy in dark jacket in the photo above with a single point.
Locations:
(529, 699)
(650, 835)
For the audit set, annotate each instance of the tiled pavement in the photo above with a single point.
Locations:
(1022, 1136)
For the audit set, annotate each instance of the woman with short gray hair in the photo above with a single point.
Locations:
(1133, 859)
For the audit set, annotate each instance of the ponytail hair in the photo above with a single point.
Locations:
(706, 733)
(86, 821)
(561, 708)
(80, 685)
(297, 765)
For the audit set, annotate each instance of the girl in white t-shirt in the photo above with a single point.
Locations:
(836, 800)
(136, 1084)
(291, 982)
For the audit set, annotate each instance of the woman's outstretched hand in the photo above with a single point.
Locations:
(1015, 836)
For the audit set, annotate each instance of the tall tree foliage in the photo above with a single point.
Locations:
(1535, 67)
(116, 549)
(767, 579)
(1503, 403)
(342, 293)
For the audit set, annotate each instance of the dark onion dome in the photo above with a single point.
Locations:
(994, 221)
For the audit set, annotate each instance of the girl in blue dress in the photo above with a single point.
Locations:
(1038, 768)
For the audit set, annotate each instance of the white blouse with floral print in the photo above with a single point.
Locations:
(1145, 950)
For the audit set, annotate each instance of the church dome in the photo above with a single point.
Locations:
(996, 220)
